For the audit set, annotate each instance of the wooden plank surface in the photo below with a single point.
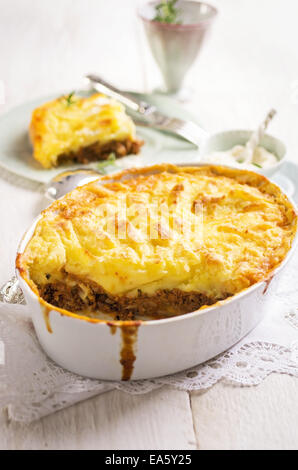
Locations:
(224, 417)
(261, 417)
(115, 420)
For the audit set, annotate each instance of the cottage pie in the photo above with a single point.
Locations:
(158, 242)
(81, 129)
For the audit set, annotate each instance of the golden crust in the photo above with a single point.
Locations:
(246, 227)
(61, 130)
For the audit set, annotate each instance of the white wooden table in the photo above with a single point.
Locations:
(249, 65)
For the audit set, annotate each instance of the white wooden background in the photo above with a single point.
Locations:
(249, 64)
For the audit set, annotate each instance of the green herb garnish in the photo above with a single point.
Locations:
(102, 166)
(256, 164)
(166, 12)
(241, 160)
(69, 98)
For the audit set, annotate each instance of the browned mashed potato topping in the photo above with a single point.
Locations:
(158, 242)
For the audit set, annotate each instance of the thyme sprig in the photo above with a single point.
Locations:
(110, 161)
(167, 12)
(69, 98)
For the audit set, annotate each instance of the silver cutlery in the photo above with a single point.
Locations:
(68, 180)
(148, 115)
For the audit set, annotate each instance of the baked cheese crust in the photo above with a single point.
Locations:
(81, 129)
(208, 230)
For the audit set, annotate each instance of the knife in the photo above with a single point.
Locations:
(148, 115)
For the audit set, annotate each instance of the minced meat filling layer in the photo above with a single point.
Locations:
(164, 303)
(97, 151)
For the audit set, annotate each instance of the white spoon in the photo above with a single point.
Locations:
(251, 145)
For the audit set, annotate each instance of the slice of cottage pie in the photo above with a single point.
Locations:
(81, 129)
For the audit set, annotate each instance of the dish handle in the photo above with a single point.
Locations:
(11, 293)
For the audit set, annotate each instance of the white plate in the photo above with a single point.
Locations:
(16, 151)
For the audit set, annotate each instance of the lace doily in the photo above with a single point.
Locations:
(32, 386)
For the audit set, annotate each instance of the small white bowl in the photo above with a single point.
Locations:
(226, 140)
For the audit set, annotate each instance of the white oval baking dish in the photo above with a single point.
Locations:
(131, 350)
